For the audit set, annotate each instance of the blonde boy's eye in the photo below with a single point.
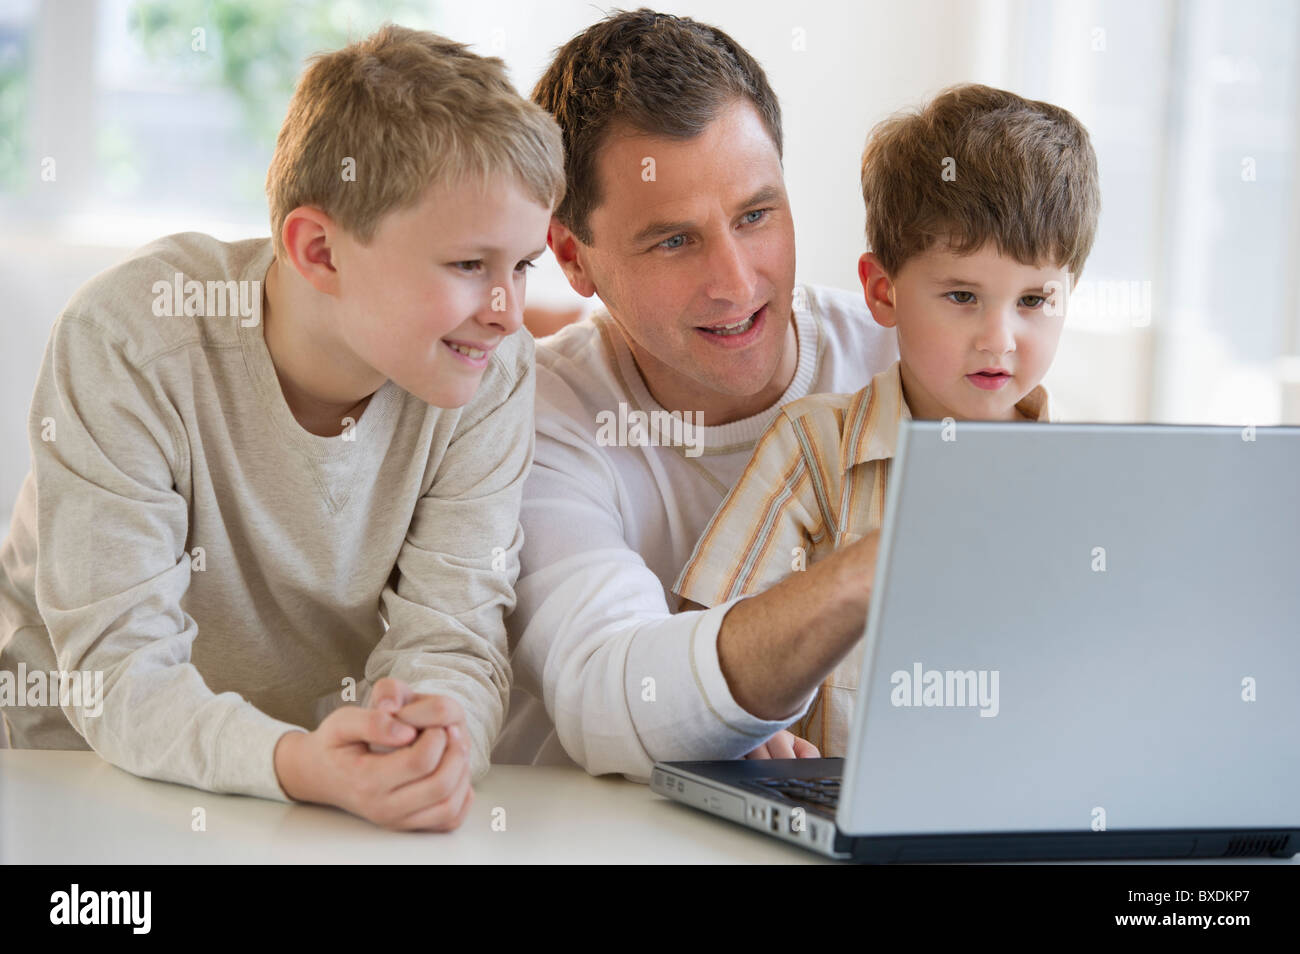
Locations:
(1032, 301)
(524, 266)
(960, 297)
(469, 266)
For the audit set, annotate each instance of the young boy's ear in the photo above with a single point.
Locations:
(308, 239)
(568, 251)
(878, 289)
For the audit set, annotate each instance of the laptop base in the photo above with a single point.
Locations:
(742, 791)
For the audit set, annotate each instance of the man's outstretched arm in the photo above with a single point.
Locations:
(626, 680)
(777, 647)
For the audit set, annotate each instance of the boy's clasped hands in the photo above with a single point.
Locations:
(402, 761)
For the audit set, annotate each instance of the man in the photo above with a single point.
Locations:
(676, 215)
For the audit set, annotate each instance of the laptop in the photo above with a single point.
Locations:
(1084, 644)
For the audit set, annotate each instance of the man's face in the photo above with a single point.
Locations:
(693, 255)
(440, 285)
(959, 315)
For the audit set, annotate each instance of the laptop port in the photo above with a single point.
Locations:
(776, 820)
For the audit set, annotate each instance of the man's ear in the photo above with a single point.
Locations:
(878, 290)
(569, 252)
(308, 235)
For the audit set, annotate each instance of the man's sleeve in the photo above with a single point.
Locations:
(455, 573)
(625, 681)
(112, 569)
(764, 528)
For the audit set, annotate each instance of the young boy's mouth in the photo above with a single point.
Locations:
(735, 332)
(989, 379)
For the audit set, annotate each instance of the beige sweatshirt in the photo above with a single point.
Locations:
(231, 575)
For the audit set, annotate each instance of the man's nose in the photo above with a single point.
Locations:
(731, 278)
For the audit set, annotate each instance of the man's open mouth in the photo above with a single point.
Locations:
(732, 328)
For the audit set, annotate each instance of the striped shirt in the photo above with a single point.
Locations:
(816, 483)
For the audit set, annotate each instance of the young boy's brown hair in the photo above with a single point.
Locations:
(975, 165)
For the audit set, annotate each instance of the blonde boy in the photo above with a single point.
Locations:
(981, 208)
(250, 522)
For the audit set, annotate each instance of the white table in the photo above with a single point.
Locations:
(75, 808)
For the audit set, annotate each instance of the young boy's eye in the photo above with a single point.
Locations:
(677, 241)
(469, 266)
(960, 297)
(1032, 301)
(524, 266)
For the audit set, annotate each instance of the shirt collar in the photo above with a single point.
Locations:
(877, 412)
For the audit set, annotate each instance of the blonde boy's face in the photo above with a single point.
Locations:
(440, 286)
(959, 315)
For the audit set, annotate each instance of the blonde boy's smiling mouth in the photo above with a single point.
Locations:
(474, 354)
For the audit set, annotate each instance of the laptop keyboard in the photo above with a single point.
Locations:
(819, 793)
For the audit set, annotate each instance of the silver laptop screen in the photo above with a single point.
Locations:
(1078, 627)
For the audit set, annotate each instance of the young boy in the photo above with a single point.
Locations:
(277, 476)
(981, 210)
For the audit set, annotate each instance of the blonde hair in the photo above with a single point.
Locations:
(408, 108)
(976, 165)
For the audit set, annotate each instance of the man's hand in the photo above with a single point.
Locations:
(777, 647)
(785, 745)
(422, 785)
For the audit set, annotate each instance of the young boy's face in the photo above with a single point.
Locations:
(959, 315)
(440, 285)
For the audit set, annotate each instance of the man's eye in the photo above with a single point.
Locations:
(469, 266)
(677, 241)
(960, 297)
(754, 216)
(1032, 301)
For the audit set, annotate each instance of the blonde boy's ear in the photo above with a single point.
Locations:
(308, 236)
(878, 290)
(568, 251)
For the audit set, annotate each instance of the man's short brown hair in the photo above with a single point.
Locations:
(652, 73)
(977, 165)
(409, 109)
